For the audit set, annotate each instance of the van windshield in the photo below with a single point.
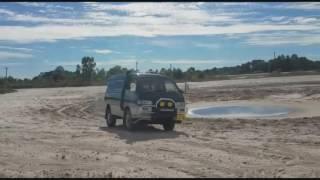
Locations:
(146, 84)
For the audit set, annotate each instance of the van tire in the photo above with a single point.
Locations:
(127, 120)
(168, 125)
(110, 120)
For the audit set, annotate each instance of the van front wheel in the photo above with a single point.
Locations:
(111, 122)
(168, 125)
(127, 120)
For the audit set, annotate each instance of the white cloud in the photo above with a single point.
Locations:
(207, 45)
(147, 20)
(305, 20)
(270, 39)
(192, 61)
(302, 5)
(13, 55)
(15, 48)
(165, 12)
(46, 5)
(102, 51)
(165, 42)
(278, 18)
(7, 12)
(51, 33)
(137, 13)
(8, 64)
(48, 20)
(32, 4)
(122, 62)
(295, 20)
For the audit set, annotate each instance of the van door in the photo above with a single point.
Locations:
(130, 96)
(114, 92)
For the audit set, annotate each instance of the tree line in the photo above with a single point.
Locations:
(279, 64)
(86, 73)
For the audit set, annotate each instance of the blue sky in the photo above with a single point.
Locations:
(37, 37)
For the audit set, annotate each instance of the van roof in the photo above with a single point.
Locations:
(148, 74)
(138, 74)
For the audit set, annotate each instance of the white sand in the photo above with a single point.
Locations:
(60, 132)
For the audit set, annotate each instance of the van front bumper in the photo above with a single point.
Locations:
(150, 113)
(158, 116)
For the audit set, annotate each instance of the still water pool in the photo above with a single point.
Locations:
(243, 111)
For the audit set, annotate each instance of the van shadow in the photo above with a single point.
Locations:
(142, 132)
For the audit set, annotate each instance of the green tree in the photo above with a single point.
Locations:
(78, 70)
(101, 74)
(190, 73)
(58, 74)
(116, 70)
(88, 66)
(177, 74)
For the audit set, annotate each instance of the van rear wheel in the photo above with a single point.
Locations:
(110, 120)
(168, 125)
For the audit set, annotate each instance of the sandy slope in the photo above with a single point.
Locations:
(60, 132)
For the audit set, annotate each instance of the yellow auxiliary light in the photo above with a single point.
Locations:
(170, 104)
(161, 104)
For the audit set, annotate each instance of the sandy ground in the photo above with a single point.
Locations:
(60, 132)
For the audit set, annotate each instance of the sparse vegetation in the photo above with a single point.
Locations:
(274, 67)
(2, 90)
(87, 74)
(4, 87)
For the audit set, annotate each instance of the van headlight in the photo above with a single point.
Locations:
(144, 102)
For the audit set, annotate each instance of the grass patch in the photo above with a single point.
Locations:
(6, 90)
